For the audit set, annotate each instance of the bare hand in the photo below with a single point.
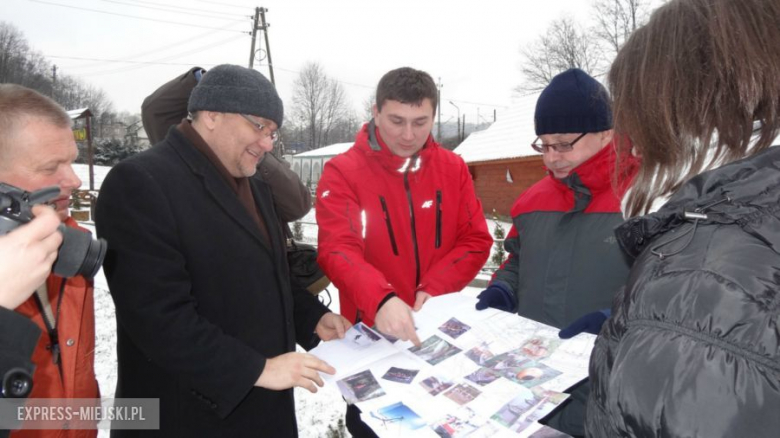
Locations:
(26, 256)
(293, 369)
(332, 326)
(395, 319)
(421, 298)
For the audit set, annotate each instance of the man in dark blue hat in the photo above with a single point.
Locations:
(564, 261)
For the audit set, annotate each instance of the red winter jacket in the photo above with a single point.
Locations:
(76, 333)
(392, 224)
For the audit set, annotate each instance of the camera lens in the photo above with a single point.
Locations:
(79, 254)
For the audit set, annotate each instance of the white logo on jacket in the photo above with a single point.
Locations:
(325, 194)
(427, 204)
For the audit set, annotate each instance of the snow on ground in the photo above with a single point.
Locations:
(318, 414)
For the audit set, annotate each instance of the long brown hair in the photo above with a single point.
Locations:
(697, 86)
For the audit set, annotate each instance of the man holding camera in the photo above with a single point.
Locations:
(37, 149)
(207, 319)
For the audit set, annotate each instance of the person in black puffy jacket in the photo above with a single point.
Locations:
(693, 345)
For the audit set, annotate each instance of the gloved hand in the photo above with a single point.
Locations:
(497, 296)
(590, 323)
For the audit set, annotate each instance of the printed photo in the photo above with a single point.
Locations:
(434, 350)
(528, 407)
(400, 375)
(539, 348)
(480, 354)
(362, 336)
(360, 387)
(483, 376)
(397, 418)
(456, 425)
(454, 328)
(462, 393)
(529, 374)
(435, 385)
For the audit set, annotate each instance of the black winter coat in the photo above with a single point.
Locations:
(201, 299)
(693, 347)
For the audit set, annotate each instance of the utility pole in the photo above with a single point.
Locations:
(456, 107)
(438, 100)
(53, 82)
(259, 23)
(267, 44)
(254, 38)
(463, 133)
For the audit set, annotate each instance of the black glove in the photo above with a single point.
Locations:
(497, 296)
(590, 323)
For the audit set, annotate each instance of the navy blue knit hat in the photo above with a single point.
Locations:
(574, 102)
(234, 89)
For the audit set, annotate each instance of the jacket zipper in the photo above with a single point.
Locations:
(414, 232)
(438, 219)
(389, 225)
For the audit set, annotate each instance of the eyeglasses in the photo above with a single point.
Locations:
(260, 127)
(557, 147)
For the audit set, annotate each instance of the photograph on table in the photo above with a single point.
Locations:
(462, 393)
(397, 418)
(480, 354)
(360, 387)
(361, 336)
(528, 407)
(434, 350)
(483, 376)
(539, 348)
(400, 375)
(435, 385)
(454, 328)
(461, 423)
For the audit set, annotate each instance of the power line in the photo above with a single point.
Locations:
(161, 60)
(222, 4)
(137, 17)
(159, 49)
(125, 61)
(178, 11)
(178, 8)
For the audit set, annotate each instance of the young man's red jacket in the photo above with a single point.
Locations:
(389, 224)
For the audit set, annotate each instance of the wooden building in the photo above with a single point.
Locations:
(501, 160)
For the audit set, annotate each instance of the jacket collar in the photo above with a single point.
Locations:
(370, 142)
(597, 173)
(218, 188)
(745, 193)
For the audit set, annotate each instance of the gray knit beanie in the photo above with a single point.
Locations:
(234, 89)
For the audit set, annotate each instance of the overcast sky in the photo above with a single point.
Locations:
(474, 47)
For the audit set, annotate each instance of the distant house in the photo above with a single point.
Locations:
(500, 158)
(308, 165)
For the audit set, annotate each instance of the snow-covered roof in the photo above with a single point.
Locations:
(327, 151)
(75, 114)
(509, 137)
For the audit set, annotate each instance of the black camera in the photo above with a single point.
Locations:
(79, 253)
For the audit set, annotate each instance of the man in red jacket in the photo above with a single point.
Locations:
(37, 149)
(398, 218)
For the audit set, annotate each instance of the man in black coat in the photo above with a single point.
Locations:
(207, 320)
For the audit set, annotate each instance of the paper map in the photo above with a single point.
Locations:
(477, 373)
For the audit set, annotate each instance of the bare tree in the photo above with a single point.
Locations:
(21, 65)
(368, 106)
(564, 45)
(319, 105)
(616, 20)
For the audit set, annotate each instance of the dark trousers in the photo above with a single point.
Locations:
(356, 426)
